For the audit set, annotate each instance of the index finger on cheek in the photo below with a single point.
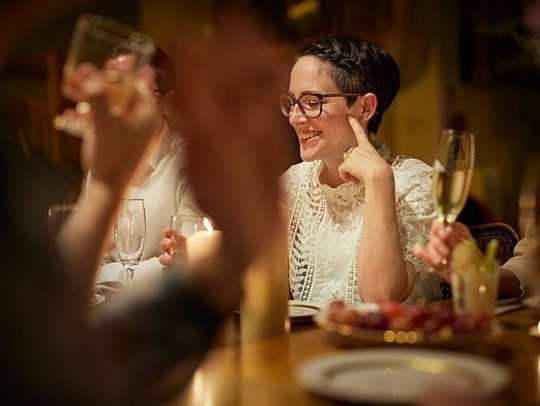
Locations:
(360, 134)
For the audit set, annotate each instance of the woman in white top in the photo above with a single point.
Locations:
(355, 209)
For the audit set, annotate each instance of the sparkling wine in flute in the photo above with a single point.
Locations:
(452, 173)
(450, 190)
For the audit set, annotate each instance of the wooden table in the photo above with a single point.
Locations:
(263, 372)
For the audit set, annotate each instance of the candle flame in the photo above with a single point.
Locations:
(207, 225)
(538, 327)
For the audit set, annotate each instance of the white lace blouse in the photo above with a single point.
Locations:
(325, 226)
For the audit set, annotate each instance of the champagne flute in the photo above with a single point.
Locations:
(117, 51)
(130, 235)
(452, 173)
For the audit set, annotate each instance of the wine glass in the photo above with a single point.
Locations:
(452, 173)
(117, 51)
(130, 234)
(184, 226)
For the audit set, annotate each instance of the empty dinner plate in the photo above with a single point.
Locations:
(302, 311)
(399, 375)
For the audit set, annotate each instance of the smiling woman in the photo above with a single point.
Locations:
(345, 207)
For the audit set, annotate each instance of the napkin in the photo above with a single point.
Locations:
(114, 276)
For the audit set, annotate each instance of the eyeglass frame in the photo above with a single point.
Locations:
(320, 96)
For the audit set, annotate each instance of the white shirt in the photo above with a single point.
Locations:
(325, 225)
(165, 192)
(523, 264)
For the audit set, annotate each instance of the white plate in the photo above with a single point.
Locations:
(301, 310)
(399, 375)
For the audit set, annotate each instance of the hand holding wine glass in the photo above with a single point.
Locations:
(117, 51)
(130, 234)
(183, 226)
(452, 173)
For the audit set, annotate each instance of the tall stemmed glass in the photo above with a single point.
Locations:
(130, 235)
(452, 173)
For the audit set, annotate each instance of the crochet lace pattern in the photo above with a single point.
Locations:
(325, 226)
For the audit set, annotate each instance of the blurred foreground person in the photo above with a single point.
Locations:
(517, 277)
(52, 348)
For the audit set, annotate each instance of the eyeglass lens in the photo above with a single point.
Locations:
(309, 104)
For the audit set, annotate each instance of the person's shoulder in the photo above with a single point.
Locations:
(297, 170)
(292, 178)
(407, 165)
(411, 176)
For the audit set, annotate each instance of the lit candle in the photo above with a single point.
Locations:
(203, 243)
(200, 245)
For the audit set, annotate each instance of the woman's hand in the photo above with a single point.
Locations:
(363, 161)
(442, 240)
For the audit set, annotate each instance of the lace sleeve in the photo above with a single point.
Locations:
(414, 207)
(289, 184)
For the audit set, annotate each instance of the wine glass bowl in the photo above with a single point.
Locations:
(452, 173)
(130, 234)
(183, 226)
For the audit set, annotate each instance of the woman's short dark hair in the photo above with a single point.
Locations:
(358, 66)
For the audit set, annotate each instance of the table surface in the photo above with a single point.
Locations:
(263, 372)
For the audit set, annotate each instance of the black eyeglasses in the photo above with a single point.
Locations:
(310, 104)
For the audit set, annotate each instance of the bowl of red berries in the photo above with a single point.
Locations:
(393, 323)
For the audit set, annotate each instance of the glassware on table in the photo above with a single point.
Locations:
(452, 173)
(475, 290)
(184, 226)
(116, 50)
(130, 234)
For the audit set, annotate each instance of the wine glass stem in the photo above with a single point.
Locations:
(130, 275)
